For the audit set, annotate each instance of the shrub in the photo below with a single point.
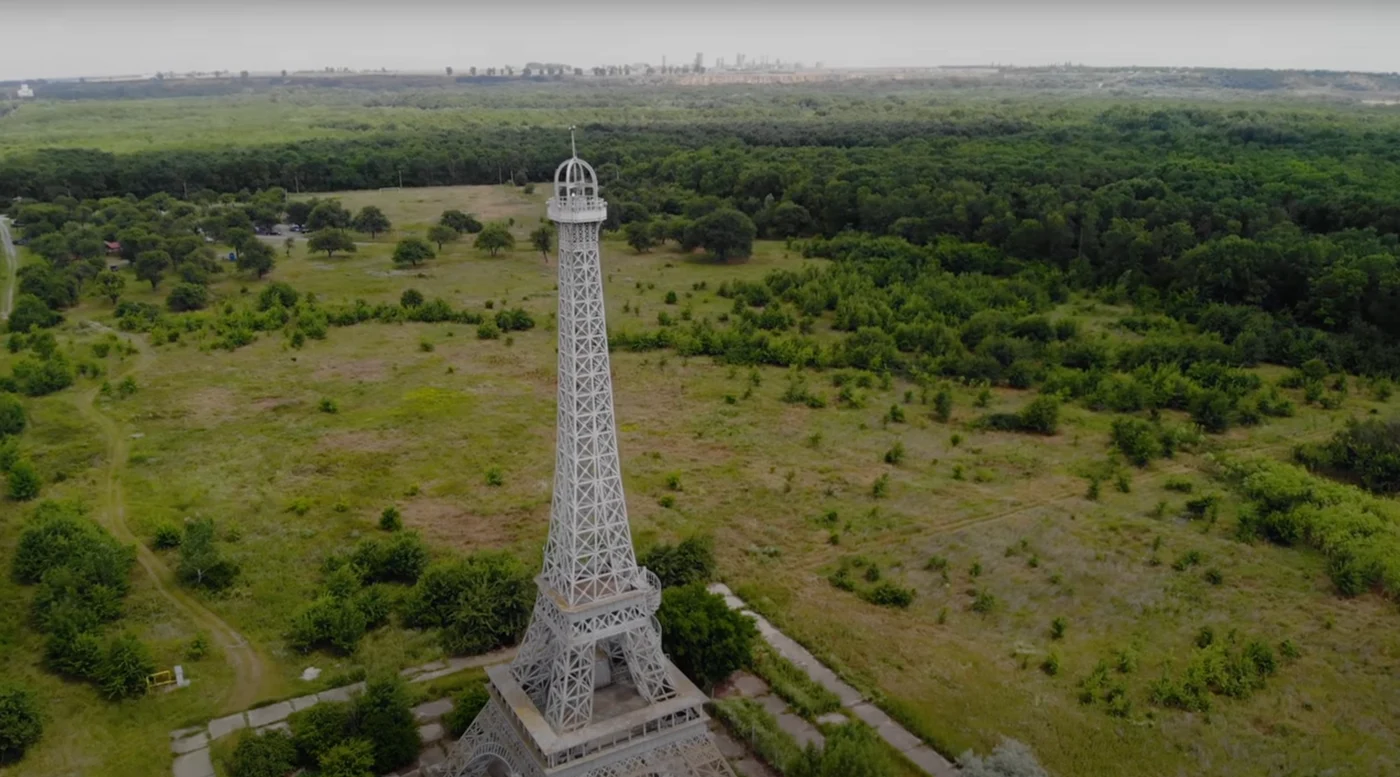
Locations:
(20, 722)
(327, 622)
(1179, 484)
(494, 478)
(267, 754)
(881, 487)
(895, 455)
(327, 405)
(706, 639)
(1137, 440)
(983, 601)
(1051, 664)
(399, 559)
(317, 729)
(748, 720)
(692, 560)
(887, 594)
(390, 519)
(125, 667)
(23, 481)
(480, 603)
(351, 758)
(466, 705)
(1057, 628)
(487, 330)
(383, 715)
(166, 536)
(12, 418)
(1367, 452)
(850, 751)
(943, 405)
(514, 320)
(1008, 759)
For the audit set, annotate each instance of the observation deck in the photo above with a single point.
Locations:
(577, 209)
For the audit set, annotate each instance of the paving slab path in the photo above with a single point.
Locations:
(897, 736)
(191, 745)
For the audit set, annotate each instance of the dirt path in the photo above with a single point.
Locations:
(7, 247)
(249, 667)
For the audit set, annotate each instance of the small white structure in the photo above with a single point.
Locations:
(24, 91)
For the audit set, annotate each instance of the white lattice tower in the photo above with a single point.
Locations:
(594, 621)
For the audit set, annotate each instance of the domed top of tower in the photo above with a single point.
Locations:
(576, 193)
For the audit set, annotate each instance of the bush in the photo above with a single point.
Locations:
(887, 594)
(125, 667)
(12, 419)
(707, 640)
(20, 722)
(351, 758)
(328, 622)
(487, 330)
(187, 296)
(692, 560)
(384, 716)
(480, 603)
(1137, 440)
(466, 705)
(749, 721)
(268, 754)
(1009, 759)
(166, 536)
(399, 559)
(23, 481)
(318, 729)
(1367, 452)
(390, 519)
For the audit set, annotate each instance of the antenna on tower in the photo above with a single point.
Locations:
(573, 146)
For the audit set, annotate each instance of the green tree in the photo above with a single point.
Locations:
(461, 222)
(299, 210)
(412, 250)
(690, 561)
(442, 235)
(372, 220)
(943, 405)
(706, 639)
(542, 238)
(640, 235)
(726, 233)
(495, 237)
(330, 241)
(328, 214)
(201, 563)
(110, 284)
(187, 296)
(20, 722)
(24, 481)
(257, 257)
(151, 266)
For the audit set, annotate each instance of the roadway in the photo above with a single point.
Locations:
(7, 302)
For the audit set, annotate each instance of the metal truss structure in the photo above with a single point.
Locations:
(594, 621)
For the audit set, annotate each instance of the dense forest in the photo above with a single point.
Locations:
(1271, 235)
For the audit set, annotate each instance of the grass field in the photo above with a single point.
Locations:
(424, 410)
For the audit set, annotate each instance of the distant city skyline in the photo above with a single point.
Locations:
(66, 39)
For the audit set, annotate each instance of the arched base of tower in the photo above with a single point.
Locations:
(628, 737)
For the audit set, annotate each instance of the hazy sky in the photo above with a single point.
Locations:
(57, 38)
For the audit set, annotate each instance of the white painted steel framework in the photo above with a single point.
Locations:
(596, 608)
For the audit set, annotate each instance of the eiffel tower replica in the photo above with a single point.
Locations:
(590, 693)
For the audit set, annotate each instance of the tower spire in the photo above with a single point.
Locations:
(573, 147)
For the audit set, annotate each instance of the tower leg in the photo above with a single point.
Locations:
(642, 649)
(570, 703)
(489, 748)
(532, 660)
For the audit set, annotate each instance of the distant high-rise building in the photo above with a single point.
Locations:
(699, 62)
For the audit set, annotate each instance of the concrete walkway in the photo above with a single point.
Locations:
(191, 745)
(897, 736)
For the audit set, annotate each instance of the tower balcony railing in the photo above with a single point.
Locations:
(578, 208)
